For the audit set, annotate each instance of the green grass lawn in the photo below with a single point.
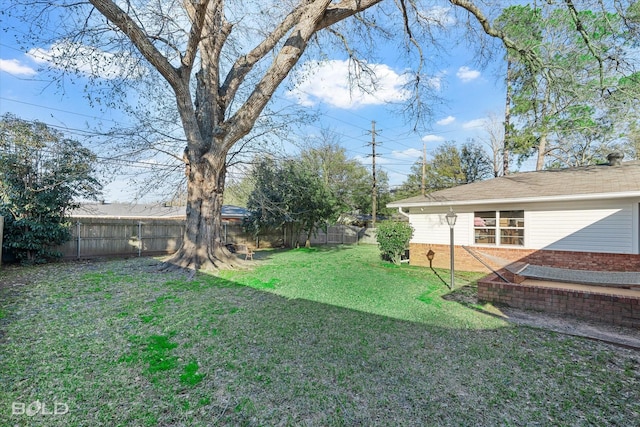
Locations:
(331, 336)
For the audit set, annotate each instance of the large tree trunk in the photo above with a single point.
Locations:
(202, 245)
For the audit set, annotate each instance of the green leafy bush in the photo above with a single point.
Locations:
(42, 174)
(393, 238)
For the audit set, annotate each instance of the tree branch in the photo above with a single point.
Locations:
(585, 37)
(242, 121)
(344, 9)
(139, 38)
(177, 78)
(245, 64)
(474, 10)
(197, 14)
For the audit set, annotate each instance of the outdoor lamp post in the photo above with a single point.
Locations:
(430, 256)
(451, 220)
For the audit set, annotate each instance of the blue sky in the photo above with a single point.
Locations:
(471, 94)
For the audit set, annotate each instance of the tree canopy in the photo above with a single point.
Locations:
(449, 167)
(289, 193)
(348, 180)
(42, 177)
(577, 106)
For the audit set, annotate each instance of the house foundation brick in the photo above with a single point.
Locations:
(498, 257)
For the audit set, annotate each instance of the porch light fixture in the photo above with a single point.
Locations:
(451, 220)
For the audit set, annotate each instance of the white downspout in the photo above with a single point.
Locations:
(403, 213)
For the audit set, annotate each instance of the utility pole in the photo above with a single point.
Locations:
(374, 187)
(424, 169)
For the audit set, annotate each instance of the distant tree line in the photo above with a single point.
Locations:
(449, 166)
(319, 186)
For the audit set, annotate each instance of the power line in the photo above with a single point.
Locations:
(58, 109)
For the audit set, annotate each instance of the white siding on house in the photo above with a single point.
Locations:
(610, 226)
(433, 228)
(582, 228)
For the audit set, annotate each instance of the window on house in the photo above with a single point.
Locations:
(484, 224)
(505, 227)
(512, 228)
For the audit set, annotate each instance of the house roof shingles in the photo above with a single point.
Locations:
(588, 182)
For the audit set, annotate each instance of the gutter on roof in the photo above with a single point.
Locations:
(571, 197)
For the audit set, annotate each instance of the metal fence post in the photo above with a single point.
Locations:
(78, 237)
(139, 238)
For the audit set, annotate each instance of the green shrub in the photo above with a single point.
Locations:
(393, 238)
(42, 174)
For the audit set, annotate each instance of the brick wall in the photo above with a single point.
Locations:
(610, 308)
(585, 260)
(499, 257)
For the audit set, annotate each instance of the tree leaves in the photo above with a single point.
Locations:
(449, 167)
(289, 192)
(42, 175)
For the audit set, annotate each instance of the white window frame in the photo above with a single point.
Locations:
(498, 228)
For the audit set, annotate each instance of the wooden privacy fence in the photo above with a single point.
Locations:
(97, 237)
(335, 234)
(105, 237)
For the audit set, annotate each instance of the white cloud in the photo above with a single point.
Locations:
(440, 15)
(466, 74)
(446, 121)
(13, 66)
(435, 82)
(362, 159)
(409, 153)
(474, 124)
(432, 138)
(88, 60)
(329, 83)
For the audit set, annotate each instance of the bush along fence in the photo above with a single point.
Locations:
(111, 237)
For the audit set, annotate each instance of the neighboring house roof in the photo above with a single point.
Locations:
(230, 211)
(580, 183)
(134, 210)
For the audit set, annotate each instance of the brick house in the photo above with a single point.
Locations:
(584, 218)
